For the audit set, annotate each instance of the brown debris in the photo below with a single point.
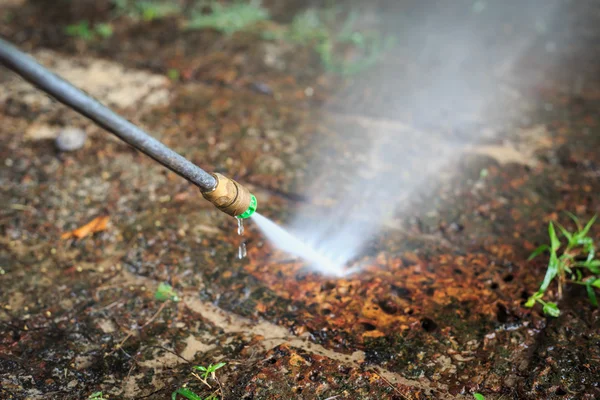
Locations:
(98, 224)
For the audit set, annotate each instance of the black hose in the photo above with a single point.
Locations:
(69, 95)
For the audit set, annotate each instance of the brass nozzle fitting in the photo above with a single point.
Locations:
(231, 197)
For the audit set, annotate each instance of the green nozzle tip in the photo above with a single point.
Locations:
(251, 208)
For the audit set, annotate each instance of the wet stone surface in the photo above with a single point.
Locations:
(436, 313)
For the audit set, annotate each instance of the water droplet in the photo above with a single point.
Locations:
(240, 226)
(242, 251)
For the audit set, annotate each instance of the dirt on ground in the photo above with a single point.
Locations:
(438, 311)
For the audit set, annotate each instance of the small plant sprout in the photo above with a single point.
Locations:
(165, 292)
(206, 372)
(81, 30)
(97, 396)
(478, 396)
(575, 264)
(84, 31)
(210, 370)
(104, 30)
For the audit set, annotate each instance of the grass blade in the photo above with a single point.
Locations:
(587, 227)
(530, 302)
(554, 242)
(591, 294)
(551, 309)
(591, 251)
(533, 298)
(218, 365)
(187, 393)
(538, 251)
(592, 265)
(551, 272)
(566, 233)
(574, 218)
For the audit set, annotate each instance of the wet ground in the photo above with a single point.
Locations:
(439, 310)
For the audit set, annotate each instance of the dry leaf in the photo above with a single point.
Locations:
(98, 224)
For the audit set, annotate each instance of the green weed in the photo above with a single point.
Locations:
(576, 264)
(307, 28)
(229, 18)
(478, 396)
(147, 10)
(97, 396)
(330, 32)
(187, 393)
(104, 30)
(136, 9)
(81, 30)
(346, 50)
(206, 373)
(84, 31)
(165, 292)
(210, 370)
(369, 49)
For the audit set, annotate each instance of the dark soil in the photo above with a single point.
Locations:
(438, 312)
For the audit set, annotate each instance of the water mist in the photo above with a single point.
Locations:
(443, 82)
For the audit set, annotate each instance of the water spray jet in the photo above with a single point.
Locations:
(284, 240)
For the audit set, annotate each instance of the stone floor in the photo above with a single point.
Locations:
(438, 311)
